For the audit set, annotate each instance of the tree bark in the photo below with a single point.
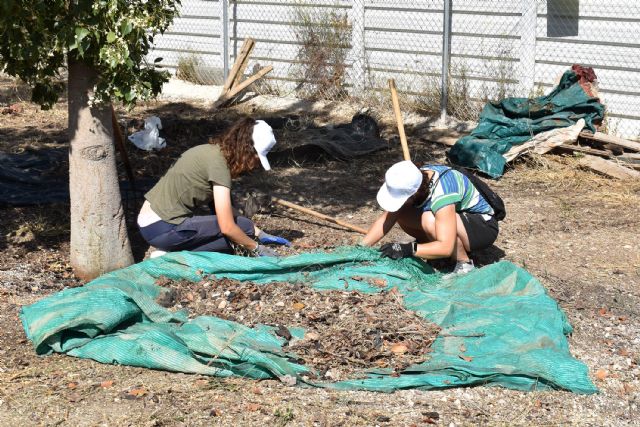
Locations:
(99, 240)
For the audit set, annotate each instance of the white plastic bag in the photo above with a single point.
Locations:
(149, 138)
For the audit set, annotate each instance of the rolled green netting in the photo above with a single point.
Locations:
(513, 331)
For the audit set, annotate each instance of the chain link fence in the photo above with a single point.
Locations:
(478, 50)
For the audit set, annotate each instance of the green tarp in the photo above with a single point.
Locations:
(514, 121)
(512, 329)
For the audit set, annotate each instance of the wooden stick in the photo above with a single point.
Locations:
(398, 113)
(318, 215)
(239, 88)
(610, 139)
(245, 51)
(243, 66)
(119, 142)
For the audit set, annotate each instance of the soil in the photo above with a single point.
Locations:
(346, 332)
(575, 231)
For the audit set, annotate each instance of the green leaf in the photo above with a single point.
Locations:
(158, 59)
(81, 33)
(126, 27)
(111, 37)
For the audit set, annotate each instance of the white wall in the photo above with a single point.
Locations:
(493, 42)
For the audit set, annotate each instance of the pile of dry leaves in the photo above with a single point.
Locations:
(346, 332)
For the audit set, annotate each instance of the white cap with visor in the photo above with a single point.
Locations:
(401, 181)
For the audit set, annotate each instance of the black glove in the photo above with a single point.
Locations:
(398, 250)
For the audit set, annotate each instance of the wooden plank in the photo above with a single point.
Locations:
(225, 97)
(586, 150)
(610, 139)
(243, 65)
(608, 168)
(242, 58)
(629, 157)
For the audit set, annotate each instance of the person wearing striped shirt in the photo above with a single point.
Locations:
(440, 208)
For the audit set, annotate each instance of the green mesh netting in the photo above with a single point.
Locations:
(503, 316)
(514, 121)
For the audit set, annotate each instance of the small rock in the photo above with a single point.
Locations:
(289, 380)
(223, 304)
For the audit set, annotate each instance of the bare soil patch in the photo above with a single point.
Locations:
(575, 231)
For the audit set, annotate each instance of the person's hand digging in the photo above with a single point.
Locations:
(397, 250)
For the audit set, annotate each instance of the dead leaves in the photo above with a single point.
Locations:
(12, 109)
(376, 282)
(399, 348)
(601, 374)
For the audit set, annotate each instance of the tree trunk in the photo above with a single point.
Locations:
(99, 241)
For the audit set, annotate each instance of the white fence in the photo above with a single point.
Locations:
(486, 49)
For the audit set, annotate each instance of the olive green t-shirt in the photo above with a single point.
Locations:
(189, 183)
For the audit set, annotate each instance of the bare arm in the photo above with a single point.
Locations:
(380, 228)
(224, 212)
(446, 235)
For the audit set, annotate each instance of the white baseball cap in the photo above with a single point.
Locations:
(263, 141)
(401, 181)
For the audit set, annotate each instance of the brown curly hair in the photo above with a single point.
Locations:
(236, 145)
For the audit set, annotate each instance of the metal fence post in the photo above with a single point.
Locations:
(446, 59)
(528, 24)
(357, 46)
(224, 36)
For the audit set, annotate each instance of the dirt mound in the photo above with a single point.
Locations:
(346, 332)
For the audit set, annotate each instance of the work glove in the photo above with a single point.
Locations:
(264, 251)
(398, 250)
(269, 239)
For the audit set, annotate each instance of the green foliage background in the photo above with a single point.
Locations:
(111, 36)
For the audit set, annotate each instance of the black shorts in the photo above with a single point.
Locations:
(482, 233)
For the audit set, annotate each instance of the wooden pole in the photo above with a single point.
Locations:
(239, 88)
(398, 113)
(318, 215)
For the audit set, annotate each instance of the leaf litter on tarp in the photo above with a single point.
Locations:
(346, 332)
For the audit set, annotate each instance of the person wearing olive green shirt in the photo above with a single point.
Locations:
(202, 176)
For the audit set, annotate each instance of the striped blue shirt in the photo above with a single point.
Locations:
(453, 187)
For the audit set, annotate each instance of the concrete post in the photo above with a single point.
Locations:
(528, 24)
(358, 50)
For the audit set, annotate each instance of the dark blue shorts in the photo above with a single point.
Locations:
(198, 233)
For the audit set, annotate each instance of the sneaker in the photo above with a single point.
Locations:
(156, 254)
(462, 267)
